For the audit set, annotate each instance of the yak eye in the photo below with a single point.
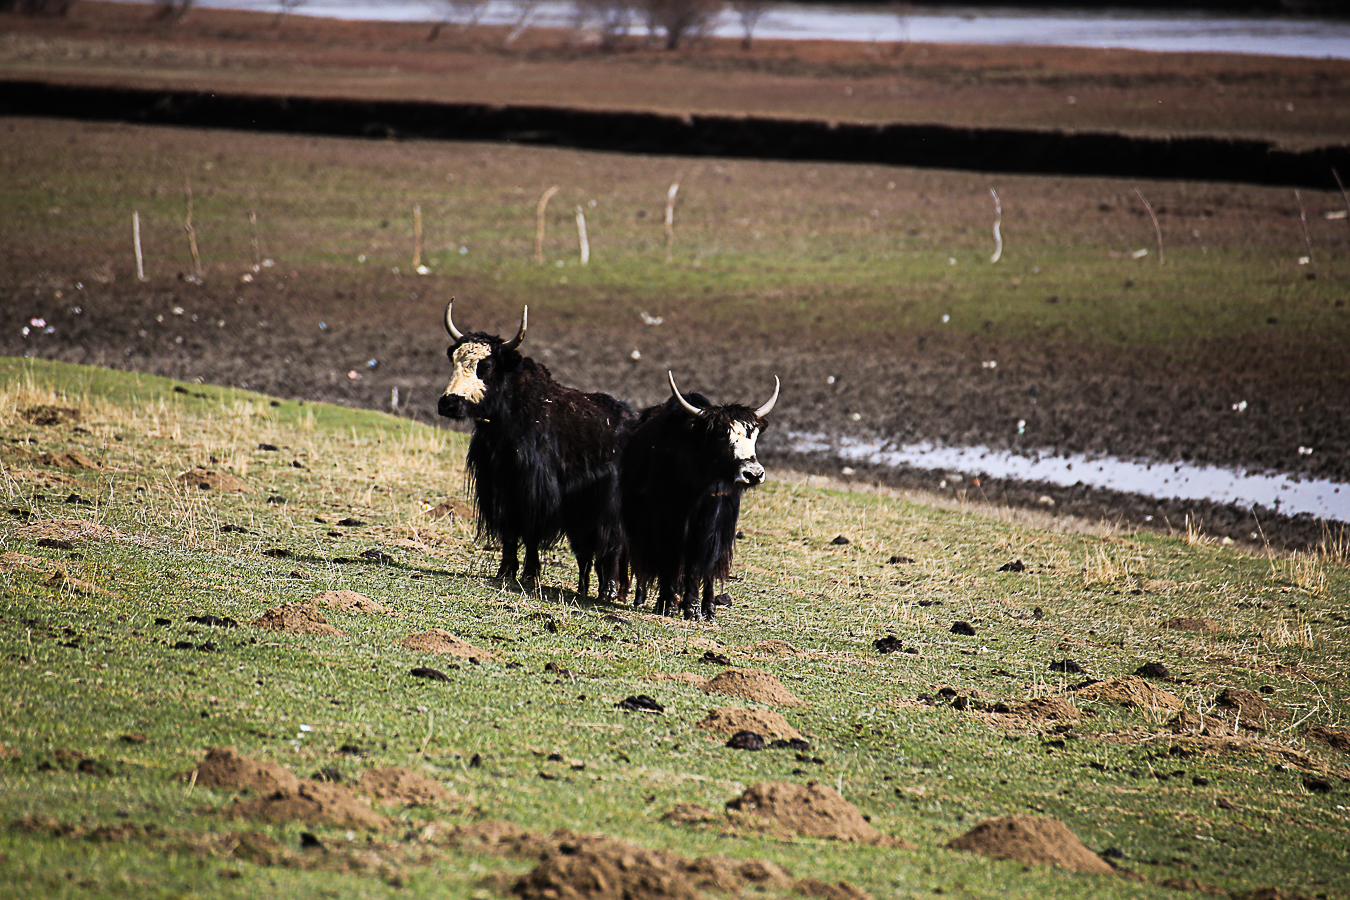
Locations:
(484, 367)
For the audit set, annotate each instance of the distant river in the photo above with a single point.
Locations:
(1184, 32)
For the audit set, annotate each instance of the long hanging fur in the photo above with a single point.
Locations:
(681, 501)
(543, 463)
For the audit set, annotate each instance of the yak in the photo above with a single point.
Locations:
(682, 474)
(543, 458)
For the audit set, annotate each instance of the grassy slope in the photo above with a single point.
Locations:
(86, 663)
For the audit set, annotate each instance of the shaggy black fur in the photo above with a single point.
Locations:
(543, 462)
(681, 500)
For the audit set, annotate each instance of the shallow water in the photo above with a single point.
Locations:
(1286, 494)
(1189, 32)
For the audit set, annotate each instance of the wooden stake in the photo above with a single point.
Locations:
(253, 232)
(191, 233)
(417, 236)
(136, 241)
(539, 224)
(1156, 230)
(581, 237)
(670, 220)
(1344, 195)
(1303, 217)
(998, 220)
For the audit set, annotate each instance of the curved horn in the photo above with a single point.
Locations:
(689, 407)
(520, 335)
(768, 407)
(450, 322)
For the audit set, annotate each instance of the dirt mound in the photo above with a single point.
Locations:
(1060, 708)
(348, 602)
(617, 872)
(68, 460)
(753, 685)
(1335, 738)
(281, 796)
(48, 416)
(839, 890)
(392, 784)
(1248, 707)
(1031, 839)
(731, 719)
(65, 530)
(198, 478)
(296, 618)
(811, 810)
(224, 768)
(1184, 623)
(775, 648)
(1186, 722)
(1132, 691)
(311, 801)
(438, 640)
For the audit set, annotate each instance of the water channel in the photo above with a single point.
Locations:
(1189, 31)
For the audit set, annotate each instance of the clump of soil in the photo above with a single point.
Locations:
(1186, 623)
(839, 890)
(224, 768)
(438, 640)
(71, 459)
(1130, 690)
(281, 796)
(1186, 722)
(348, 602)
(753, 685)
(1335, 738)
(1059, 708)
(198, 478)
(48, 416)
(1248, 707)
(690, 814)
(812, 810)
(393, 784)
(65, 530)
(1032, 840)
(775, 647)
(296, 618)
(619, 872)
(731, 719)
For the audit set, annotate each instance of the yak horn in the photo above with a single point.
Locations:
(768, 407)
(450, 322)
(520, 335)
(689, 407)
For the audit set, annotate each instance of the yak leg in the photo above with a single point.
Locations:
(510, 562)
(709, 612)
(532, 566)
(665, 599)
(688, 598)
(584, 579)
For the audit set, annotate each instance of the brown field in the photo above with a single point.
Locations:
(1097, 393)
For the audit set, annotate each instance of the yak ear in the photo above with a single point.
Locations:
(450, 322)
(520, 335)
(768, 406)
(688, 407)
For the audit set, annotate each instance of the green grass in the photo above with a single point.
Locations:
(88, 661)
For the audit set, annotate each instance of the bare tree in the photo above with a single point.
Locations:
(171, 11)
(612, 18)
(285, 8)
(524, 10)
(679, 20)
(750, 12)
(464, 13)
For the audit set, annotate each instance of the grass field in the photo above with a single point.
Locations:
(112, 696)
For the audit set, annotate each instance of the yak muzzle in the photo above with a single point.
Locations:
(751, 473)
(452, 407)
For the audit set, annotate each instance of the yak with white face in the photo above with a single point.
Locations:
(683, 472)
(543, 459)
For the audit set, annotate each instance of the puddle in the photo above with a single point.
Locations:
(1289, 495)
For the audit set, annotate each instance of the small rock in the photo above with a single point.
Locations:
(1066, 665)
(1015, 566)
(840, 540)
(1153, 670)
(429, 674)
(640, 703)
(746, 740)
(964, 628)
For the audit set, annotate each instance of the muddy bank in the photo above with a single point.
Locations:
(1022, 151)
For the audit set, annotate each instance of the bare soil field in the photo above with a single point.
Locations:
(1161, 402)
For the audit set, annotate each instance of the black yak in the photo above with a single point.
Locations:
(543, 459)
(682, 474)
